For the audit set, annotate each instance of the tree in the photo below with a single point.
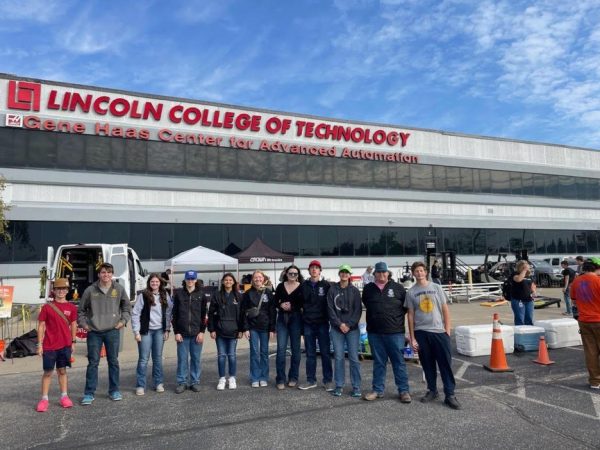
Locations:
(4, 234)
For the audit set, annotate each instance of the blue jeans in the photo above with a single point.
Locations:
(384, 347)
(435, 348)
(351, 341)
(259, 356)
(189, 348)
(312, 333)
(523, 312)
(567, 299)
(151, 343)
(292, 331)
(95, 339)
(226, 348)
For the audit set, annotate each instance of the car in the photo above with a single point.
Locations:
(545, 274)
(503, 269)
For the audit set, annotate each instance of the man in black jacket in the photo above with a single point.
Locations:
(384, 300)
(189, 312)
(316, 327)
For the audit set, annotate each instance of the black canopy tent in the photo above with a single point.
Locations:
(260, 253)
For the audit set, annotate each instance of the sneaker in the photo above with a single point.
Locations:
(329, 387)
(263, 383)
(594, 386)
(42, 405)
(255, 384)
(180, 388)
(429, 397)
(160, 388)
(87, 399)
(232, 383)
(567, 314)
(221, 384)
(280, 386)
(292, 383)
(115, 396)
(306, 386)
(405, 397)
(139, 391)
(195, 387)
(337, 392)
(355, 393)
(370, 396)
(452, 402)
(66, 402)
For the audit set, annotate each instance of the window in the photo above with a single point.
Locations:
(328, 241)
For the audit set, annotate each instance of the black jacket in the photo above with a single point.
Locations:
(315, 301)
(225, 317)
(295, 298)
(189, 312)
(265, 321)
(385, 309)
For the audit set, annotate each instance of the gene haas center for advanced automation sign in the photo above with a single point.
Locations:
(41, 106)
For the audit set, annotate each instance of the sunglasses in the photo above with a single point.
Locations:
(292, 274)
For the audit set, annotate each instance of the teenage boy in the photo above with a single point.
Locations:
(57, 325)
(384, 300)
(345, 309)
(429, 328)
(104, 309)
(316, 328)
(568, 277)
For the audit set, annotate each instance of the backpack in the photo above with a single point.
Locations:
(25, 345)
(506, 288)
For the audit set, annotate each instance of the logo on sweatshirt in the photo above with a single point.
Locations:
(113, 294)
(321, 292)
(390, 293)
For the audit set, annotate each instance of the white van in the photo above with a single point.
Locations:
(79, 263)
(556, 260)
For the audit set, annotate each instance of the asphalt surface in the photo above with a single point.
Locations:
(533, 407)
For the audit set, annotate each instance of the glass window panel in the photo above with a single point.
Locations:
(117, 154)
(439, 179)
(346, 241)
(515, 240)
(479, 244)
(114, 233)
(464, 241)
(593, 237)
(527, 179)
(135, 156)
(529, 240)
(6, 253)
(29, 242)
(13, 146)
(411, 242)
(140, 239)
(211, 236)
(195, 157)
(314, 170)
(328, 241)
(453, 177)
(166, 158)
(485, 181)
(466, 180)
(580, 241)
(233, 236)
(395, 246)
(500, 182)
(55, 234)
(42, 149)
(98, 152)
(212, 162)
(377, 241)
(70, 151)
(297, 169)
(539, 184)
(421, 177)
(162, 240)
(380, 174)
(251, 232)
(271, 235)
(516, 183)
(81, 232)
(289, 240)
(403, 176)
(186, 236)
(341, 170)
(308, 240)
(228, 164)
(361, 241)
(568, 188)
(278, 167)
(551, 186)
(446, 239)
(492, 241)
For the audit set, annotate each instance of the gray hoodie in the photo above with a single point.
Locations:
(102, 312)
(344, 306)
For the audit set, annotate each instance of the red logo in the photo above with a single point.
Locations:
(14, 120)
(24, 95)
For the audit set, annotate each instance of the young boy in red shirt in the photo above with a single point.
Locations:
(56, 341)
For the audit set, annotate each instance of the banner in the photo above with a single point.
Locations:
(6, 301)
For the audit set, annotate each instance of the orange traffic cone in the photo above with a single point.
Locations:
(497, 358)
(103, 352)
(543, 357)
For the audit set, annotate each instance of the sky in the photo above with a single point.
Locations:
(527, 70)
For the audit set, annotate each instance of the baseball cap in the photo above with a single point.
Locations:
(595, 260)
(191, 275)
(345, 268)
(61, 283)
(314, 262)
(381, 267)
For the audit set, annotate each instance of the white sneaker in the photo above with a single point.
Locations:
(232, 383)
(160, 388)
(263, 383)
(255, 384)
(139, 391)
(221, 384)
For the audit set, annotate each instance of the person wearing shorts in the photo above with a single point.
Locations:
(56, 341)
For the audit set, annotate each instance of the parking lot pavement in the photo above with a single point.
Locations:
(533, 407)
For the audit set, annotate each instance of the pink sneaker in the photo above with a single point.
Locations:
(66, 402)
(42, 406)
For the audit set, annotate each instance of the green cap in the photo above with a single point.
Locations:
(595, 260)
(345, 268)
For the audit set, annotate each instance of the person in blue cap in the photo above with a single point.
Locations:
(384, 301)
(189, 311)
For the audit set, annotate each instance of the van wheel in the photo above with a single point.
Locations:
(544, 280)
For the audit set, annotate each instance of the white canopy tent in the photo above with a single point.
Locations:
(200, 256)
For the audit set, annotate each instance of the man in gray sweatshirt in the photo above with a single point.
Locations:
(103, 310)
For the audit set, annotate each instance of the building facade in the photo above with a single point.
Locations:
(87, 164)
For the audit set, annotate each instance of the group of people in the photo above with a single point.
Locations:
(324, 313)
